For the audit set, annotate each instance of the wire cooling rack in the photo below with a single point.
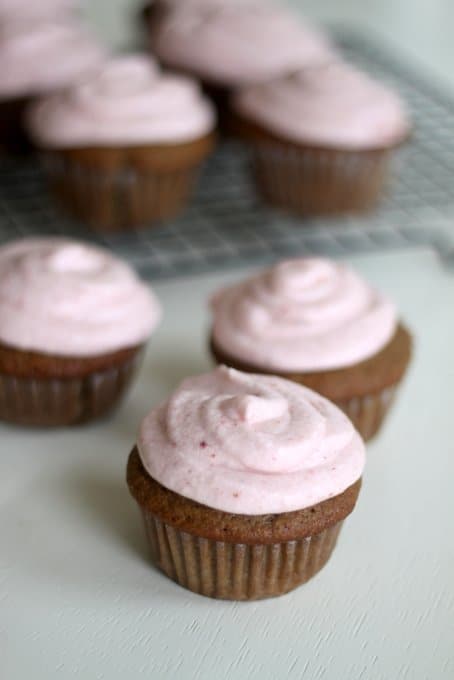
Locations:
(227, 225)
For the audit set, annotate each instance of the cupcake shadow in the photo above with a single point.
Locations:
(107, 507)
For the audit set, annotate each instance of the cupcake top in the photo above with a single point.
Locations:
(126, 101)
(39, 56)
(65, 298)
(329, 105)
(250, 444)
(230, 43)
(309, 314)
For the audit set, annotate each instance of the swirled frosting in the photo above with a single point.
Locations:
(233, 43)
(333, 104)
(65, 298)
(302, 315)
(40, 56)
(250, 444)
(126, 101)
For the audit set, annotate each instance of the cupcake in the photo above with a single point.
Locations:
(37, 57)
(123, 148)
(321, 138)
(319, 324)
(74, 321)
(243, 482)
(228, 44)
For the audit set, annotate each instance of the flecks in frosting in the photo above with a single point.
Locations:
(233, 43)
(41, 56)
(250, 444)
(65, 298)
(126, 101)
(331, 105)
(307, 315)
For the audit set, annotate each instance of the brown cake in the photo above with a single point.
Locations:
(222, 547)
(115, 188)
(199, 547)
(51, 391)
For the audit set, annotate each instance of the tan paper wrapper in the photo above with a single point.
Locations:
(230, 571)
(120, 198)
(316, 181)
(61, 402)
(368, 413)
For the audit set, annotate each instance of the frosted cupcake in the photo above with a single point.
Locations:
(317, 323)
(227, 44)
(38, 57)
(321, 138)
(74, 321)
(124, 147)
(244, 482)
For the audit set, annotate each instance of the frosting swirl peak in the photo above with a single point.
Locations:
(127, 100)
(62, 297)
(250, 444)
(308, 314)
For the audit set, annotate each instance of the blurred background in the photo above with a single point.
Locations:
(422, 29)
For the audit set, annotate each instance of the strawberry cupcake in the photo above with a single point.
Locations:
(321, 138)
(38, 56)
(74, 321)
(316, 322)
(244, 482)
(123, 148)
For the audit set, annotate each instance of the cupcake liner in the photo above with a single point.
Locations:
(310, 181)
(113, 199)
(237, 571)
(368, 413)
(57, 402)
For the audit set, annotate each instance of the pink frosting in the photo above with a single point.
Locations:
(233, 43)
(126, 101)
(250, 444)
(303, 315)
(40, 56)
(66, 298)
(333, 104)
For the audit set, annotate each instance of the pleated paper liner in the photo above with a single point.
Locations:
(117, 189)
(316, 181)
(58, 402)
(237, 571)
(369, 412)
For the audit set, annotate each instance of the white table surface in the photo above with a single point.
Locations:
(79, 599)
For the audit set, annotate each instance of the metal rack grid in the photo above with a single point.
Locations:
(226, 223)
